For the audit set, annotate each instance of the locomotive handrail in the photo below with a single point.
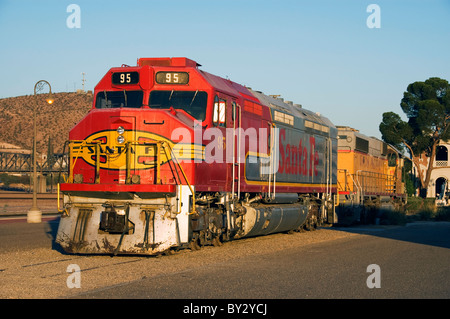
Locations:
(272, 158)
(382, 183)
(358, 186)
(73, 159)
(61, 162)
(79, 144)
(82, 143)
(175, 160)
(355, 183)
(236, 162)
(346, 182)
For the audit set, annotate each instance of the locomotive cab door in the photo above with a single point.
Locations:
(215, 152)
(234, 155)
(269, 162)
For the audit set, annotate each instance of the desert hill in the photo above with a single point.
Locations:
(54, 121)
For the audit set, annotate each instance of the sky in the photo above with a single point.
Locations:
(343, 59)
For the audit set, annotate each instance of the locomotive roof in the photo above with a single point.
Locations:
(374, 142)
(233, 88)
(272, 102)
(291, 108)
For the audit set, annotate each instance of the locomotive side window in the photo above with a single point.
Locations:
(116, 99)
(192, 102)
(219, 111)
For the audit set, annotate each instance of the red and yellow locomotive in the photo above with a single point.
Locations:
(171, 156)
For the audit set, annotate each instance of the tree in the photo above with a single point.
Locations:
(427, 107)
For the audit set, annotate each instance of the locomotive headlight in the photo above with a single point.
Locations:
(120, 138)
(120, 212)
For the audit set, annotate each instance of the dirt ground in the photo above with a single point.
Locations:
(44, 271)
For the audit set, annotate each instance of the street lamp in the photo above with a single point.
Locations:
(34, 214)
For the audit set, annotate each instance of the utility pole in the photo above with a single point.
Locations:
(34, 215)
(83, 80)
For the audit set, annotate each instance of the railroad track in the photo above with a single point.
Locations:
(18, 203)
(23, 195)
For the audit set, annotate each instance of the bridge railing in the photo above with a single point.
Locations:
(22, 163)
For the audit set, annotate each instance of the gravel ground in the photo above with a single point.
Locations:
(40, 272)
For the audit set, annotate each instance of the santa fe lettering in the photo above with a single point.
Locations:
(297, 158)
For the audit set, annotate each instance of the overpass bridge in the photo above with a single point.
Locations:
(21, 162)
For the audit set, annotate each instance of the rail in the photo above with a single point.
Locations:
(18, 203)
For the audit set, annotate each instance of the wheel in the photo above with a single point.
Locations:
(216, 242)
(193, 245)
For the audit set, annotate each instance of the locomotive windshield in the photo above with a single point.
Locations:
(116, 99)
(192, 102)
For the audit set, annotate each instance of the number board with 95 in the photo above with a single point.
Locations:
(172, 77)
(121, 78)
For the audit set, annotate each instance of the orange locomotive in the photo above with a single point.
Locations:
(369, 176)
